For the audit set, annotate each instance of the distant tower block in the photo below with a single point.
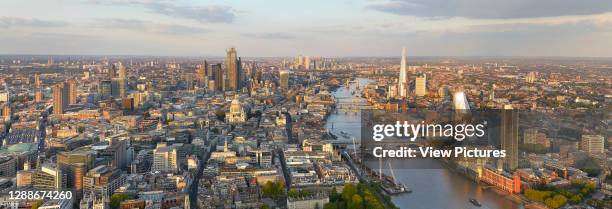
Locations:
(402, 83)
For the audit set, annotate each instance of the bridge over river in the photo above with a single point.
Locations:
(352, 104)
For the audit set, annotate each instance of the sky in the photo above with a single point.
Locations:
(330, 28)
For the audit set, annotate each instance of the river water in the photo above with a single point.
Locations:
(432, 188)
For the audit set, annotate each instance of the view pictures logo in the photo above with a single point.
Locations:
(410, 130)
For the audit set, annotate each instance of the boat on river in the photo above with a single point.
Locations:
(475, 202)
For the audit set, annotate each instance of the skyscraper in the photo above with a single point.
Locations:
(201, 74)
(218, 76)
(60, 98)
(115, 88)
(531, 77)
(402, 83)
(112, 71)
(421, 85)
(122, 81)
(460, 101)
(232, 64)
(509, 137)
(38, 96)
(37, 80)
(306, 62)
(105, 89)
(284, 79)
(72, 91)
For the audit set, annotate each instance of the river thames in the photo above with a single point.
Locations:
(432, 188)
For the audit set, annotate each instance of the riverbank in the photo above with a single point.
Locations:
(433, 185)
(474, 177)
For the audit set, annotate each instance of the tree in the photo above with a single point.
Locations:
(348, 192)
(117, 198)
(37, 204)
(304, 193)
(536, 195)
(556, 202)
(370, 201)
(293, 193)
(334, 196)
(356, 202)
(220, 115)
(257, 114)
(273, 190)
(330, 205)
(575, 199)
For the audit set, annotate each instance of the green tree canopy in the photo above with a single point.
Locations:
(356, 202)
(117, 198)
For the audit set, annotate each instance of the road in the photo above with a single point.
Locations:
(193, 191)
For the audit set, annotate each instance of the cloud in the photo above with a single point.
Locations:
(7, 22)
(210, 13)
(492, 9)
(600, 24)
(270, 35)
(150, 27)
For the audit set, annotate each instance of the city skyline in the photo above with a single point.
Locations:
(341, 104)
(279, 28)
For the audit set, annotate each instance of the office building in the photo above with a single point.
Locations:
(74, 165)
(24, 178)
(103, 181)
(232, 64)
(460, 101)
(165, 159)
(421, 85)
(201, 75)
(72, 91)
(38, 96)
(48, 178)
(127, 104)
(57, 204)
(116, 87)
(284, 79)
(115, 154)
(531, 77)
(122, 81)
(106, 87)
(592, 144)
(402, 83)
(7, 166)
(219, 76)
(530, 136)
(306, 62)
(112, 71)
(60, 98)
(509, 137)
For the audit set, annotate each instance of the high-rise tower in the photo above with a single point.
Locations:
(284, 79)
(60, 98)
(402, 83)
(72, 91)
(420, 85)
(509, 137)
(232, 64)
(122, 81)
